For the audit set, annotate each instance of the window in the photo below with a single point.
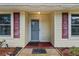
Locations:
(75, 24)
(5, 24)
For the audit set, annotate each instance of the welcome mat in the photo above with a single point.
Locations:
(39, 51)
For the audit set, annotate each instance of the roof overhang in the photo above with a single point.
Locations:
(42, 7)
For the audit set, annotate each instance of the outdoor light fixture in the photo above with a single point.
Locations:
(38, 12)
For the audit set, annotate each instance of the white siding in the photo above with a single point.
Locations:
(57, 28)
(59, 42)
(27, 28)
(16, 42)
(52, 28)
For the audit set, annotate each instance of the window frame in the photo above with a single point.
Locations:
(74, 37)
(11, 24)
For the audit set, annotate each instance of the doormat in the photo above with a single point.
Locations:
(39, 51)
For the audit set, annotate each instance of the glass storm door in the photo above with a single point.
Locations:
(34, 30)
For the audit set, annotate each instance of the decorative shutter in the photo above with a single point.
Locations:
(64, 25)
(16, 24)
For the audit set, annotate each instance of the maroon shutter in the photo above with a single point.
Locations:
(16, 25)
(65, 25)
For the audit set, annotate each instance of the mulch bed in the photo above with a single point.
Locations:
(9, 51)
(64, 51)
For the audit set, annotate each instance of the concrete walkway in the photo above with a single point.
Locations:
(28, 52)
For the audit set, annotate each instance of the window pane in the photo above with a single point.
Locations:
(75, 24)
(5, 30)
(75, 30)
(75, 21)
(4, 18)
(5, 24)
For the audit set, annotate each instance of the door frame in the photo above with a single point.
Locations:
(31, 32)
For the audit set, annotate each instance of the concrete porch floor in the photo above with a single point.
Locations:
(28, 52)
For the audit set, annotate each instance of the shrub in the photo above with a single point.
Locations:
(74, 51)
(66, 52)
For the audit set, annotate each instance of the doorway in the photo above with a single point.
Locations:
(34, 30)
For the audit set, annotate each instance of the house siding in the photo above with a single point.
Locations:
(51, 30)
(26, 27)
(57, 29)
(59, 41)
(16, 42)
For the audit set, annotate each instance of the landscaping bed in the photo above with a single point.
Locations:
(9, 51)
(69, 51)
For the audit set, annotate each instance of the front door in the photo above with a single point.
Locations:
(34, 30)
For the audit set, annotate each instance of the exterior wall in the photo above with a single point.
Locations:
(44, 25)
(58, 29)
(16, 42)
(52, 28)
(26, 27)
(59, 42)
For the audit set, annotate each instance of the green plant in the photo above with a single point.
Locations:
(74, 51)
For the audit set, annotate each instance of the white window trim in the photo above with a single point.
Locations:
(8, 36)
(69, 27)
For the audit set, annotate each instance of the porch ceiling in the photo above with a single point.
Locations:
(38, 7)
